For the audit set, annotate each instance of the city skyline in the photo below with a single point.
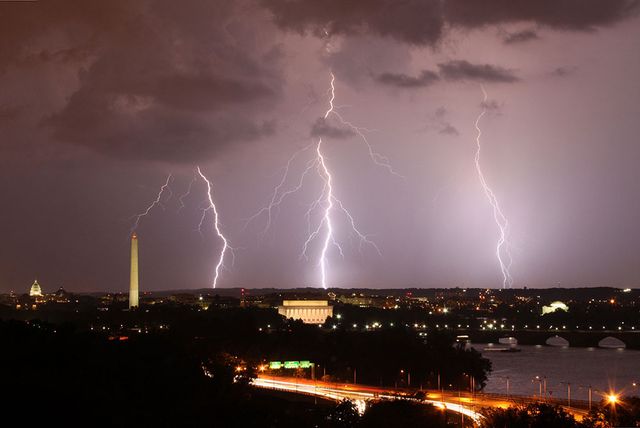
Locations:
(106, 103)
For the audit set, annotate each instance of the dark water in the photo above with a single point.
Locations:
(603, 369)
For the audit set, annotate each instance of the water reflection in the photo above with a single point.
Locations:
(603, 369)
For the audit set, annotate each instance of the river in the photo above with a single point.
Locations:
(604, 369)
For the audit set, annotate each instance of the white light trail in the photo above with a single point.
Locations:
(303, 386)
(502, 246)
(216, 225)
(157, 201)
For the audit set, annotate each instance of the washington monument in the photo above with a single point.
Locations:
(133, 284)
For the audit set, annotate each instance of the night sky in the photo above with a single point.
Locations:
(101, 100)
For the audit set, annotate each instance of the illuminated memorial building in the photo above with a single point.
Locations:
(309, 311)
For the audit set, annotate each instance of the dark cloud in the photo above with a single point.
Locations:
(563, 71)
(448, 129)
(491, 106)
(415, 21)
(520, 37)
(426, 78)
(75, 23)
(9, 113)
(423, 22)
(157, 80)
(577, 15)
(323, 129)
(359, 56)
(464, 70)
(440, 113)
(441, 123)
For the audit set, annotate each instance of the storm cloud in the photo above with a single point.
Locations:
(464, 70)
(423, 22)
(156, 80)
(102, 100)
(399, 80)
(520, 37)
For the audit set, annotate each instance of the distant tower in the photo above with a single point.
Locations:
(133, 284)
(35, 291)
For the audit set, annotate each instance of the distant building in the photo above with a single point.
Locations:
(35, 290)
(133, 278)
(554, 306)
(309, 311)
(61, 296)
(364, 301)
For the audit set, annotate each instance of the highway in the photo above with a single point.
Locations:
(462, 403)
(359, 394)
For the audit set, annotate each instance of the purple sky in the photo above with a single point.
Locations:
(100, 101)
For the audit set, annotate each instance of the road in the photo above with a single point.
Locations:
(462, 403)
(359, 394)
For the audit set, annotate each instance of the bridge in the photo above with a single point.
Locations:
(463, 403)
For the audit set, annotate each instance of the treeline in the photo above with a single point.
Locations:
(387, 357)
(625, 412)
(59, 376)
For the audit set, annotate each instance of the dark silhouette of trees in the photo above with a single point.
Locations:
(537, 415)
(345, 415)
(196, 370)
(403, 413)
(625, 412)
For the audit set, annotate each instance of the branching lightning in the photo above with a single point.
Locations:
(188, 192)
(326, 202)
(216, 225)
(157, 201)
(502, 246)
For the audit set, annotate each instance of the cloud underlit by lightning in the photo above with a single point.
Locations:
(216, 225)
(502, 246)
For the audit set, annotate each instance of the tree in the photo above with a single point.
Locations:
(403, 413)
(537, 415)
(345, 415)
(624, 412)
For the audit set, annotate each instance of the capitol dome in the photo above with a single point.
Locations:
(35, 290)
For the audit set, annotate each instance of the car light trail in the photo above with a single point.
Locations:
(351, 392)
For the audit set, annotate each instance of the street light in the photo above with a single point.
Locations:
(612, 399)
(541, 382)
(568, 393)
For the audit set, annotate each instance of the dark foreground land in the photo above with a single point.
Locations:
(188, 360)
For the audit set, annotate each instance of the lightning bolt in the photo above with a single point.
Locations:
(502, 246)
(157, 201)
(326, 202)
(376, 157)
(188, 192)
(278, 195)
(216, 225)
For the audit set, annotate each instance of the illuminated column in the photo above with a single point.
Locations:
(133, 284)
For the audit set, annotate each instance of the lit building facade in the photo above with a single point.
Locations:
(133, 278)
(309, 311)
(36, 290)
